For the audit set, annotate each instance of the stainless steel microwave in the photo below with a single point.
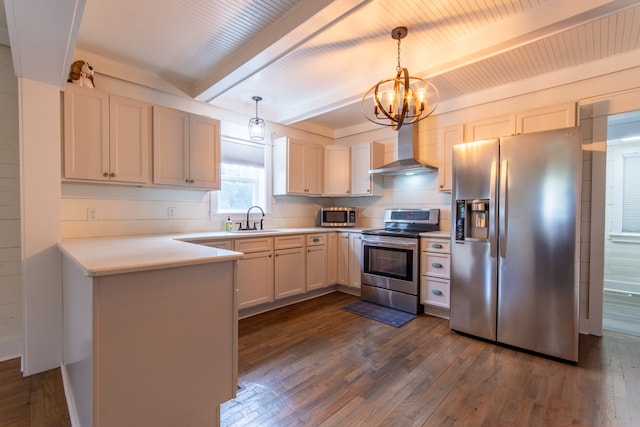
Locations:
(337, 217)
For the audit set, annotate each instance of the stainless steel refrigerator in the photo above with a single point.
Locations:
(515, 250)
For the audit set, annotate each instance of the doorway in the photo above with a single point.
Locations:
(621, 294)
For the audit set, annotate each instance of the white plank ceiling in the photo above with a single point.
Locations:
(312, 60)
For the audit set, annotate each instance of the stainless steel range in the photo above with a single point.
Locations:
(390, 258)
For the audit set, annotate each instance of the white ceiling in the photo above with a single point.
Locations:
(311, 60)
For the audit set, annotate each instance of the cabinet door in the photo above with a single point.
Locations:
(365, 157)
(355, 250)
(337, 170)
(130, 139)
(316, 267)
(546, 118)
(295, 167)
(289, 272)
(449, 136)
(254, 279)
(86, 134)
(491, 128)
(204, 152)
(313, 169)
(170, 146)
(343, 259)
(332, 258)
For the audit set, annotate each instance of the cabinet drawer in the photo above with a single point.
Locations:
(434, 292)
(258, 244)
(316, 239)
(435, 245)
(436, 265)
(285, 242)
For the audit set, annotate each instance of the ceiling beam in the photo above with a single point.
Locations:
(288, 33)
(42, 35)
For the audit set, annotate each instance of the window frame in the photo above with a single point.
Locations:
(619, 150)
(215, 211)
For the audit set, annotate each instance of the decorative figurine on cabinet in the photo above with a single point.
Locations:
(81, 74)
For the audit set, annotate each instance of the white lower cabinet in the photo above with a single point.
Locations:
(435, 263)
(289, 266)
(254, 272)
(349, 250)
(316, 261)
(342, 270)
(332, 258)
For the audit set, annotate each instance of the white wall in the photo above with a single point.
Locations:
(10, 276)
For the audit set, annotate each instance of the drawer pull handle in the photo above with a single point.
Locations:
(436, 246)
(436, 265)
(316, 239)
(436, 292)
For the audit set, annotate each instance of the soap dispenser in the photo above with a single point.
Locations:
(228, 225)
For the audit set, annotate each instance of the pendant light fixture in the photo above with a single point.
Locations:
(402, 99)
(256, 124)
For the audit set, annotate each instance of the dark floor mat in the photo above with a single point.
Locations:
(380, 313)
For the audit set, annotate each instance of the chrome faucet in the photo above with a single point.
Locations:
(248, 227)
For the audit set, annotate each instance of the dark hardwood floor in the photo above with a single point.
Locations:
(37, 400)
(313, 364)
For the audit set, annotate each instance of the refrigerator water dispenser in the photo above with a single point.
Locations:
(472, 219)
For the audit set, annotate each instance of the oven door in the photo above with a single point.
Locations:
(390, 263)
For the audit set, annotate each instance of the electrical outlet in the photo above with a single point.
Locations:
(171, 212)
(91, 214)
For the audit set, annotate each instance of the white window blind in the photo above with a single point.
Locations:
(631, 193)
(243, 173)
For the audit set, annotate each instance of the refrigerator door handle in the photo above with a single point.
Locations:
(502, 209)
(492, 214)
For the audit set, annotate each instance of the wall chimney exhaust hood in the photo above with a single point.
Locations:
(408, 148)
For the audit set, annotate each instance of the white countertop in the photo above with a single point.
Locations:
(437, 234)
(102, 256)
(115, 255)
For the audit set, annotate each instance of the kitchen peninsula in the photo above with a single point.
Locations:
(149, 331)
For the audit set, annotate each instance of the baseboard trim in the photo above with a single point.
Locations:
(68, 394)
(10, 348)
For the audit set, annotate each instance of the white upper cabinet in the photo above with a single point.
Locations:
(365, 157)
(493, 127)
(297, 167)
(186, 149)
(537, 120)
(337, 170)
(448, 136)
(546, 118)
(106, 138)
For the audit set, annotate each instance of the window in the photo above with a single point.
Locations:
(243, 176)
(630, 193)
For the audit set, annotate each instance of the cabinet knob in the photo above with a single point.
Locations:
(191, 181)
(436, 292)
(112, 174)
(105, 174)
(316, 239)
(186, 181)
(436, 265)
(436, 246)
